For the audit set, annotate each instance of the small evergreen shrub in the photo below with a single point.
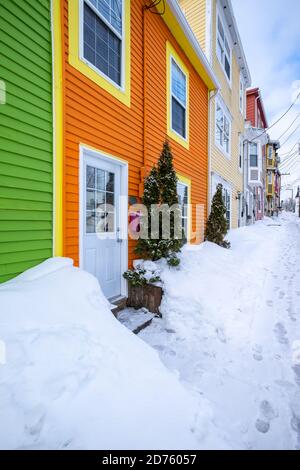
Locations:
(216, 227)
(136, 277)
(160, 188)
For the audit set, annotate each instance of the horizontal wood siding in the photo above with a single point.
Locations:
(136, 134)
(251, 101)
(195, 13)
(26, 130)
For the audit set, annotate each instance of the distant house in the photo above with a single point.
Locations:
(273, 178)
(255, 151)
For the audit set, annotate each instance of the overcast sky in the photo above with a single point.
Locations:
(270, 32)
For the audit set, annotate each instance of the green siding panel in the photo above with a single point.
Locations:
(26, 136)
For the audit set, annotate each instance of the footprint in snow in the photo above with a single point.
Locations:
(281, 294)
(270, 303)
(268, 414)
(281, 333)
(267, 410)
(257, 352)
(262, 426)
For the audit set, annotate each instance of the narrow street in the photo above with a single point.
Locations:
(243, 355)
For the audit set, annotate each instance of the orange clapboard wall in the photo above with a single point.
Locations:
(92, 116)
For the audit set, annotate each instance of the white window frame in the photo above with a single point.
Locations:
(121, 37)
(172, 58)
(225, 52)
(228, 118)
(242, 95)
(187, 217)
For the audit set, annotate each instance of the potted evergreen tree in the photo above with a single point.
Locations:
(160, 189)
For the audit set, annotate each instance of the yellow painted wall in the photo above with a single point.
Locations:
(195, 13)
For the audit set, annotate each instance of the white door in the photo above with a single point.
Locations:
(101, 242)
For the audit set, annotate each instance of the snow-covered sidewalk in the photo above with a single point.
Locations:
(231, 330)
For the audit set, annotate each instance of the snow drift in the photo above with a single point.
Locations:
(75, 378)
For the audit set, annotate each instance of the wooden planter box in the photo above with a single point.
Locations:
(148, 296)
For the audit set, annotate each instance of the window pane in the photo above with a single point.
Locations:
(227, 67)
(90, 222)
(101, 45)
(220, 51)
(227, 47)
(100, 180)
(112, 12)
(178, 118)
(220, 29)
(90, 200)
(178, 83)
(220, 125)
(100, 222)
(90, 177)
(226, 126)
(110, 222)
(100, 199)
(110, 198)
(226, 143)
(182, 191)
(110, 182)
(253, 160)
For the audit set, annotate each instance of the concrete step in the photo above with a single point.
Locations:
(118, 304)
(135, 320)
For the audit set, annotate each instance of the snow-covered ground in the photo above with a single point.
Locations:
(231, 330)
(223, 369)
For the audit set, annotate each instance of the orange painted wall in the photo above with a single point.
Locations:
(93, 117)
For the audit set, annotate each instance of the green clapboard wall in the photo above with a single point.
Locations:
(26, 135)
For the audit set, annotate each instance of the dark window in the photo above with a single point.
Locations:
(102, 47)
(253, 155)
(178, 118)
(179, 92)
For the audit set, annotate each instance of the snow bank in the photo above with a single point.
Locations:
(75, 377)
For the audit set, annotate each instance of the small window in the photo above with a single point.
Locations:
(227, 202)
(253, 155)
(241, 152)
(103, 36)
(183, 200)
(270, 153)
(179, 97)
(223, 129)
(223, 49)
